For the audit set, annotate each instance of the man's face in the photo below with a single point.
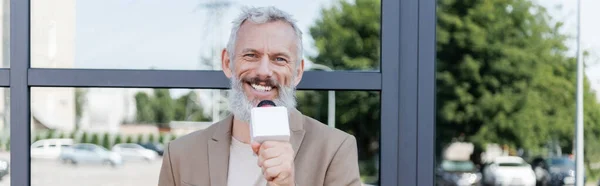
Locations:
(264, 66)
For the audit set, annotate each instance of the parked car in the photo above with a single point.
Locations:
(156, 147)
(49, 148)
(562, 171)
(542, 174)
(457, 173)
(4, 166)
(132, 151)
(509, 170)
(87, 153)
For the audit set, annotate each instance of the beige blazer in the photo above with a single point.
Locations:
(323, 155)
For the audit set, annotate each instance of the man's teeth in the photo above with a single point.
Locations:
(261, 88)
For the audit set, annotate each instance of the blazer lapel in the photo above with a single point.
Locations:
(218, 152)
(297, 130)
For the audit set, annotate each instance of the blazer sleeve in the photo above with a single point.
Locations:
(166, 177)
(343, 169)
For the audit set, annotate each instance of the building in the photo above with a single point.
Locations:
(53, 45)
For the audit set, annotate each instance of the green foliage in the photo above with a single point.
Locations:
(186, 109)
(161, 109)
(347, 37)
(161, 138)
(143, 105)
(106, 141)
(95, 139)
(118, 139)
(504, 76)
(152, 138)
(84, 138)
(129, 139)
(80, 101)
(37, 138)
(140, 138)
(72, 135)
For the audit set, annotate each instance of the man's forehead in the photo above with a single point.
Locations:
(277, 25)
(253, 36)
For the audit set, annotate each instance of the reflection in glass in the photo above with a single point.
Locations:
(190, 34)
(506, 78)
(4, 32)
(118, 134)
(4, 136)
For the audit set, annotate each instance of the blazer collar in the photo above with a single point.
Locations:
(218, 146)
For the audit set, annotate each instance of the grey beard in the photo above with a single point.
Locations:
(240, 106)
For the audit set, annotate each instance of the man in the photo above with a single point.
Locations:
(263, 60)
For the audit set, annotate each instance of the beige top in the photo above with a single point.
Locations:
(243, 166)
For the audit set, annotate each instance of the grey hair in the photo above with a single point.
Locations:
(262, 15)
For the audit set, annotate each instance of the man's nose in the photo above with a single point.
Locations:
(264, 68)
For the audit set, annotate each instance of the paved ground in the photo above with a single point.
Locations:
(52, 173)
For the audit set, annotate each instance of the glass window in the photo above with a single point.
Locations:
(130, 116)
(5, 33)
(190, 34)
(5, 136)
(507, 83)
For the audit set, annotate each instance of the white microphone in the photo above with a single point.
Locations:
(269, 123)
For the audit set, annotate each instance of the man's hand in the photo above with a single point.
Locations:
(277, 162)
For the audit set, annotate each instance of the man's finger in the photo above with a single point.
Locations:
(270, 153)
(271, 162)
(255, 147)
(272, 173)
(282, 178)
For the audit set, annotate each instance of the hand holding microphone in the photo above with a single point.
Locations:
(270, 134)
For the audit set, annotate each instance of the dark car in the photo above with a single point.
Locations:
(156, 147)
(457, 173)
(4, 166)
(540, 167)
(562, 171)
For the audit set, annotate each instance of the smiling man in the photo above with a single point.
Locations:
(263, 60)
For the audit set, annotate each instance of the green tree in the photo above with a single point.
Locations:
(504, 76)
(95, 139)
(140, 138)
(151, 138)
(144, 108)
(186, 109)
(129, 139)
(84, 138)
(163, 106)
(118, 139)
(80, 101)
(161, 138)
(347, 37)
(106, 141)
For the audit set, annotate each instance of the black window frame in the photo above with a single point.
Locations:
(406, 83)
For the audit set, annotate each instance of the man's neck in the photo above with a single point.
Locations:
(241, 131)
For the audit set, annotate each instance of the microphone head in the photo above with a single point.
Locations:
(266, 103)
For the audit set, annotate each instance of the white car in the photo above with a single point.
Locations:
(49, 148)
(509, 170)
(132, 151)
(86, 153)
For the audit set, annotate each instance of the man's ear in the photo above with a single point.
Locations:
(226, 63)
(299, 73)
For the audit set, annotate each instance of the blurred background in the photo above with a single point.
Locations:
(505, 86)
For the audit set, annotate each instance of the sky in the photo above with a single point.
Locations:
(146, 34)
(566, 11)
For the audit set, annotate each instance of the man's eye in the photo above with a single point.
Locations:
(281, 59)
(249, 55)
